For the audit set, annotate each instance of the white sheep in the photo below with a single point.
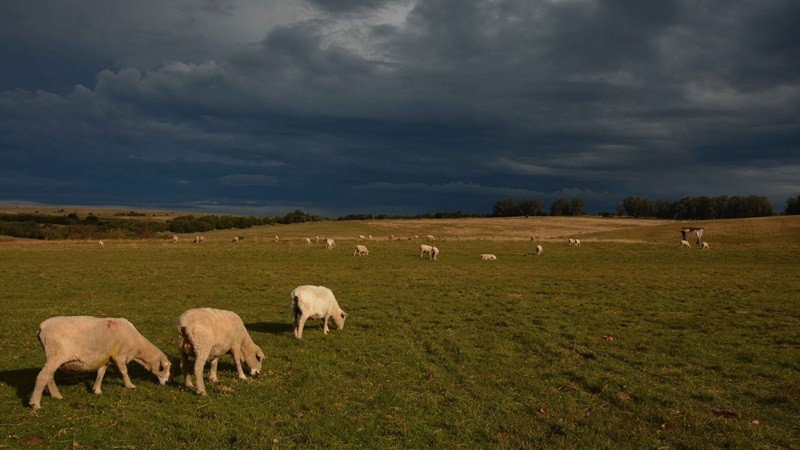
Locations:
(533, 238)
(705, 245)
(101, 244)
(391, 238)
(317, 238)
(434, 252)
(416, 236)
(571, 242)
(488, 257)
(208, 333)
(370, 236)
(539, 250)
(329, 244)
(308, 241)
(685, 243)
(577, 242)
(235, 239)
(197, 239)
(87, 344)
(361, 236)
(315, 302)
(276, 238)
(361, 250)
(425, 250)
(174, 238)
(430, 237)
(202, 239)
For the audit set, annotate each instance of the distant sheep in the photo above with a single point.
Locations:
(685, 243)
(434, 252)
(533, 238)
(87, 344)
(235, 239)
(571, 242)
(174, 238)
(577, 242)
(315, 302)
(197, 240)
(361, 250)
(207, 333)
(329, 244)
(276, 238)
(430, 237)
(425, 250)
(488, 257)
(361, 236)
(101, 244)
(308, 241)
(317, 238)
(370, 236)
(705, 245)
(416, 236)
(391, 238)
(539, 250)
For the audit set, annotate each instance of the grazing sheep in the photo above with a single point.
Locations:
(577, 242)
(424, 250)
(416, 236)
(315, 302)
(539, 250)
(202, 239)
(488, 257)
(370, 236)
(308, 241)
(685, 243)
(329, 244)
(174, 238)
(361, 236)
(430, 237)
(276, 238)
(434, 252)
(101, 244)
(87, 344)
(207, 333)
(533, 238)
(391, 238)
(235, 239)
(361, 250)
(571, 242)
(705, 245)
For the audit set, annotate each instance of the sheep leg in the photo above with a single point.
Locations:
(123, 370)
(325, 324)
(300, 326)
(236, 353)
(43, 380)
(101, 372)
(199, 362)
(51, 386)
(295, 317)
(187, 377)
(212, 373)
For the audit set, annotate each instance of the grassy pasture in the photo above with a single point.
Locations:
(457, 352)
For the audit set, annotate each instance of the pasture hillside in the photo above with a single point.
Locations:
(626, 341)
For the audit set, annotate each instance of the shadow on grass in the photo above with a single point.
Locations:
(25, 379)
(270, 327)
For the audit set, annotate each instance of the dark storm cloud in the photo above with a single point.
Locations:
(395, 106)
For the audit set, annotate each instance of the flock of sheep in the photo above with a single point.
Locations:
(88, 344)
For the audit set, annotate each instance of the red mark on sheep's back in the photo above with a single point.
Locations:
(111, 324)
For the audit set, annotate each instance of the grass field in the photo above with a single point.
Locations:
(626, 341)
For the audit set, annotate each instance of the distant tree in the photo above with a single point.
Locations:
(664, 209)
(504, 208)
(560, 208)
(576, 207)
(793, 206)
(528, 207)
(619, 209)
(637, 207)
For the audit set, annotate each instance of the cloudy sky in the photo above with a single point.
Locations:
(396, 106)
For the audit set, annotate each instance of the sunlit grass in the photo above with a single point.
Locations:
(457, 352)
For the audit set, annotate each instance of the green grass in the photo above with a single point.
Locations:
(457, 352)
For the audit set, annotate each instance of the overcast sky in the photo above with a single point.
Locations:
(397, 107)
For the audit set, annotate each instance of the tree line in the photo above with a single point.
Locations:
(690, 208)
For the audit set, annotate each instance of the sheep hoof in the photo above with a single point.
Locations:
(97, 392)
(35, 406)
(57, 397)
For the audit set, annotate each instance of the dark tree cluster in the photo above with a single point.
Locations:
(793, 206)
(698, 208)
(526, 207)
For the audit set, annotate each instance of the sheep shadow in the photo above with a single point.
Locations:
(22, 379)
(270, 327)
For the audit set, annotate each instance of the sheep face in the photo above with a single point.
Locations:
(253, 357)
(339, 319)
(162, 371)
